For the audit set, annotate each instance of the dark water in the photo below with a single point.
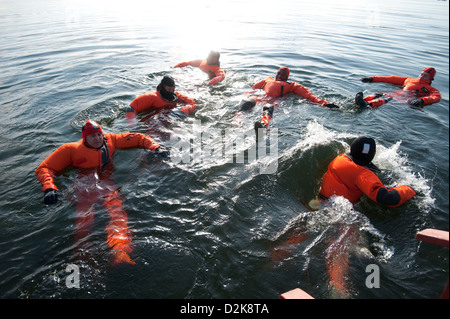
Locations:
(206, 229)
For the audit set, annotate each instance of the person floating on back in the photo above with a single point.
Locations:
(274, 89)
(92, 155)
(415, 92)
(211, 66)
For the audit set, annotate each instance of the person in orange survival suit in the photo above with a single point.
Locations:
(275, 88)
(416, 92)
(164, 97)
(211, 66)
(93, 155)
(351, 176)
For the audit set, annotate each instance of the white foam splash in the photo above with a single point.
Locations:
(395, 164)
(337, 214)
(316, 134)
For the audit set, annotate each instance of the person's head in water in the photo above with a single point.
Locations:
(213, 58)
(167, 88)
(282, 74)
(427, 74)
(362, 150)
(92, 134)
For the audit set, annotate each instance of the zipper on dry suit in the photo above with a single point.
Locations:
(104, 156)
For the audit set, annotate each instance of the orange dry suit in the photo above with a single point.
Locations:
(96, 184)
(153, 101)
(215, 73)
(411, 89)
(350, 180)
(275, 89)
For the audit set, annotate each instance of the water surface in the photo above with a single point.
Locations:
(208, 229)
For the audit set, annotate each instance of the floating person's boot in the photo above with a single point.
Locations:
(265, 119)
(359, 100)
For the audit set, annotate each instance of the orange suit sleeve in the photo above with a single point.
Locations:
(220, 76)
(261, 84)
(396, 80)
(195, 63)
(405, 192)
(53, 164)
(191, 104)
(433, 97)
(371, 185)
(143, 102)
(133, 140)
(305, 93)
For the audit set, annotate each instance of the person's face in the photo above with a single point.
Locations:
(169, 88)
(281, 75)
(95, 140)
(424, 76)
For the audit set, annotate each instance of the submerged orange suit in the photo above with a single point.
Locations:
(277, 88)
(350, 180)
(412, 88)
(153, 101)
(274, 88)
(96, 184)
(215, 73)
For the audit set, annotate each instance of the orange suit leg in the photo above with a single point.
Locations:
(84, 222)
(337, 258)
(84, 219)
(118, 235)
(267, 114)
(374, 101)
(281, 252)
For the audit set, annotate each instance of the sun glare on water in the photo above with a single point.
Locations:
(197, 26)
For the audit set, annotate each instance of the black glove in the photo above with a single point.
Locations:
(416, 103)
(51, 196)
(162, 152)
(332, 106)
(365, 80)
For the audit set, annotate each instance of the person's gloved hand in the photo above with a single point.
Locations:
(331, 106)
(367, 80)
(51, 196)
(215, 80)
(181, 65)
(416, 103)
(188, 109)
(162, 152)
